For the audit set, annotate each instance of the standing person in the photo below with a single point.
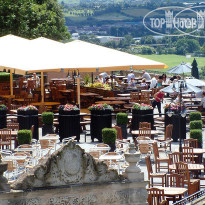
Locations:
(146, 75)
(158, 98)
(130, 75)
(203, 102)
(35, 77)
(153, 83)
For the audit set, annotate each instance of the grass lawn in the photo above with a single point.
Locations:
(114, 16)
(172, 60)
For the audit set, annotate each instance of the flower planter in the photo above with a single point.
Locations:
(100, 119)
(176, 121)
(2, 119)
(69, 124)
(28, 118)
(142, 116)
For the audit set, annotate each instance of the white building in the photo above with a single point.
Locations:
(105, 39)
(75, 36)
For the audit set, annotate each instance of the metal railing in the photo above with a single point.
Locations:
(191, 198)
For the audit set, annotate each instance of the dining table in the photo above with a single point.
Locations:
(117, 99)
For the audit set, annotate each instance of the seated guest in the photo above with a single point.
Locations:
(146, 75)
(159, 82)
(131, 84)
(143, 83)
(35, 77)
(153, 83)
(165, 80)
(130, 75)
(112, 81)
(173, 78)
(104, 75)
(100, 79)
(107, 80)
(178, 77)
(203, 102)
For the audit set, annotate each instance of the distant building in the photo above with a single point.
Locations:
(75, 36)
(105, 39)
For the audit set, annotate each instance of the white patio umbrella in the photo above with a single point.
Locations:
(196, 82)
(181, 69)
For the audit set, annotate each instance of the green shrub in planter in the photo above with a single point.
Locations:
(4, 76)
(47, 118)
(109, 135)
(196, 124)
(24, 137)
(122, 119)
(195, 116)
(196, 134)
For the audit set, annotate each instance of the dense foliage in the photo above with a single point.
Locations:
(33, 18)
(47, 118)
(196, 134)
(24, 137)
(196, 124)
(4, 76)
(121, 119)
(109, 135)
(195, 116)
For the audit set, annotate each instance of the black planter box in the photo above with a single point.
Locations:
(142, 116)
(47, 129)
(178, 122)
(69, 124)
(28, 118)
(100, 119)
(2, 119)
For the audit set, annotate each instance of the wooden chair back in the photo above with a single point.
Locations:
(187, 154)
(145, 98)
(168, 132)
(119, 132)
(146, 132)
(182, 169)
(149, 166)
(13, 126)
(5, 137)
(191, 143)
(15, 107)
(135, 97)
(145, 125)
(156, 196)
(28, 101)
(11, 167)
(174, 180)
(32, 130)
(174, 157)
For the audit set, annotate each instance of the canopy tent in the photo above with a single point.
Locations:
(23, 56)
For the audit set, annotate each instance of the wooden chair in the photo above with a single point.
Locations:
(145, 98)
(152, 175)
(146, 132)
(156, 196)
(145, 125)
(158, 160)
(28, 101)
(95, 154)
(165, 141)
(173, 158)
(187, 155)
(193, 184)
(135, 97)
(191, 143)
(5, 138)
(119, 132)
(14, 127)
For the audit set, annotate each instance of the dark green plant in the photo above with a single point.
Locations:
(87, 79)
(196, 134)
(109, 135)
(4, 76)
(196, 124)
(195, 70)
(47, 118)
(122, 119)
(195, 116)
(24, 136)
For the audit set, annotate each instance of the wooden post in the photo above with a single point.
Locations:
(42, 88)
(78, 90)
(11, 83)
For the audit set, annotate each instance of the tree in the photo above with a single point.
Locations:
(195, 70)
(33, 18)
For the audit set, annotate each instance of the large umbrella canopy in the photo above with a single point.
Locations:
(174, 88)
(180, 69)
(43, 55)
(196, 82)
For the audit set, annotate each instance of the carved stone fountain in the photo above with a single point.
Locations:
(4, 186)
(133, 172)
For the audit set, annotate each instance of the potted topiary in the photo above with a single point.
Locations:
(69, 121)
(47, 119)
(28, 116)
(100, 118)
(122, 120)
(194, 116)
(24, 137)
(109, 136)
(197, 134)
(3, 110)
(142, 113)
(196, 124)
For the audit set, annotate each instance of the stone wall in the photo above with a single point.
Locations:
(99, 194)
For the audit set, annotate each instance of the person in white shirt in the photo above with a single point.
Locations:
(104, 75)
(100, 79)
(146, 75)
(153, 83)
(203, 102)
(129, 76)
(37, 79)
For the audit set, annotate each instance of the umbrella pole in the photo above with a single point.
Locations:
(78, 90)
(42, 88)
(11, 83)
